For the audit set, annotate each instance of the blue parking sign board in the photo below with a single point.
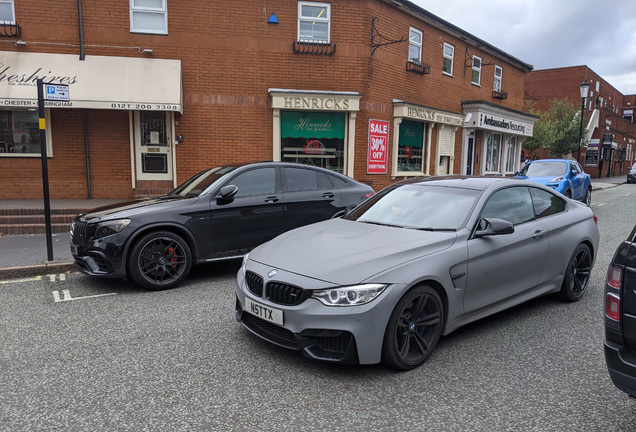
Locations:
(57, 92)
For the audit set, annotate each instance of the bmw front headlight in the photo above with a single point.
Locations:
(242, 269)
(349, 296)
(111, 227)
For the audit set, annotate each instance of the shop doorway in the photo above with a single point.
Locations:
(153, 145)
(470, 157)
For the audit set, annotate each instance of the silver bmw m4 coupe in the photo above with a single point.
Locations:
(416, 261)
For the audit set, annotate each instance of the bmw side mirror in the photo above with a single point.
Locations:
(226, 194)
(493, 226)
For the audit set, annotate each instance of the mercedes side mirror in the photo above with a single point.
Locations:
(226, 194)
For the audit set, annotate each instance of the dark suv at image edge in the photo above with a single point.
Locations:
(620, 316)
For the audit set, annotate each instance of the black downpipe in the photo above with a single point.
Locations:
(88, 158)
(81, 30)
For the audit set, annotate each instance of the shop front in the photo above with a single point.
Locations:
(492, 138)
(146, 91)
(316, 128)
(423, 140)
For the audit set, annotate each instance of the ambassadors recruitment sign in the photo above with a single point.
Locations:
(377, 158)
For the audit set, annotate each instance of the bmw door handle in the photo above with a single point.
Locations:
(538, 234)
(327, 195)
(271, 199)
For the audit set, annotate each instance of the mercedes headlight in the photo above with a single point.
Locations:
(349, 296)
(111, 227)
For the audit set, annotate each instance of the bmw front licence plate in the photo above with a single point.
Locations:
(264, 312)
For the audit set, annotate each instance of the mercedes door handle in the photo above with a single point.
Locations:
(327, 195)
(538, 234)
(271, 199)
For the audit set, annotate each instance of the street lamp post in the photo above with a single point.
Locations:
(585, 87)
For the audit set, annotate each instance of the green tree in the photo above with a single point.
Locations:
(558, 128)
(542, 131)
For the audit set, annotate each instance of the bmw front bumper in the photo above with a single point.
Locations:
(346, 334)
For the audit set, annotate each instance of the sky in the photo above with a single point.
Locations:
(554, 33)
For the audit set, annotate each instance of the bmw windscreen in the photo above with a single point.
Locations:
(420, 207)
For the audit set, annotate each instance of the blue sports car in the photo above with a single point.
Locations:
(565, 176)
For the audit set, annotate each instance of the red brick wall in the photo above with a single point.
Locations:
(230, 58)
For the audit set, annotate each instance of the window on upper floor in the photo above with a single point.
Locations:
(149, 16)
(7, 12)
(314, 22)
(476, 70)
(449, 56)
(498, 78)
(415, 45)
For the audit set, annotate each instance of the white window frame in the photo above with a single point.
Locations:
(49, 141)
(498, 79)
(489, 155)
(478, 69)
(327, 6)
(415, 44)
(511, 155)
(451, 58)
(11, 2)
(162, 10)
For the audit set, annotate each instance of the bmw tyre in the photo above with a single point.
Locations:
(159, 260)
(413, 329)
(577, 274)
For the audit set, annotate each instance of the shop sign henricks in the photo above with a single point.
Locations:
(377, 158)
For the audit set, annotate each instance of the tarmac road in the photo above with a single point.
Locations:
(133, 360)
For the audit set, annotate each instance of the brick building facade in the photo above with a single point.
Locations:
(163, 89)
(607, 111)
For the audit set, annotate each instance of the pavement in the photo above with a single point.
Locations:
(26, 255)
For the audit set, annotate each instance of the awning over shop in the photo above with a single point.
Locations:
(98, 82)
(493, 117)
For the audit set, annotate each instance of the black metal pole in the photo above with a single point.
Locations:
(45, 172)
(578, 153)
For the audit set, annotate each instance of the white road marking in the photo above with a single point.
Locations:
(20, 280)
(67, 296)
(601, 204)
(62, 277)
(52, 277)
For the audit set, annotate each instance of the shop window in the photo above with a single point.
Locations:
(7, 12)
(410, 147)
(314, 21)
(313, 138)
(20, 134)
(415, 45)
(498, 77)
(153, 128)
(476, 78)
(149, 16)
(493, 151)
(449, 56)
(511, 151)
